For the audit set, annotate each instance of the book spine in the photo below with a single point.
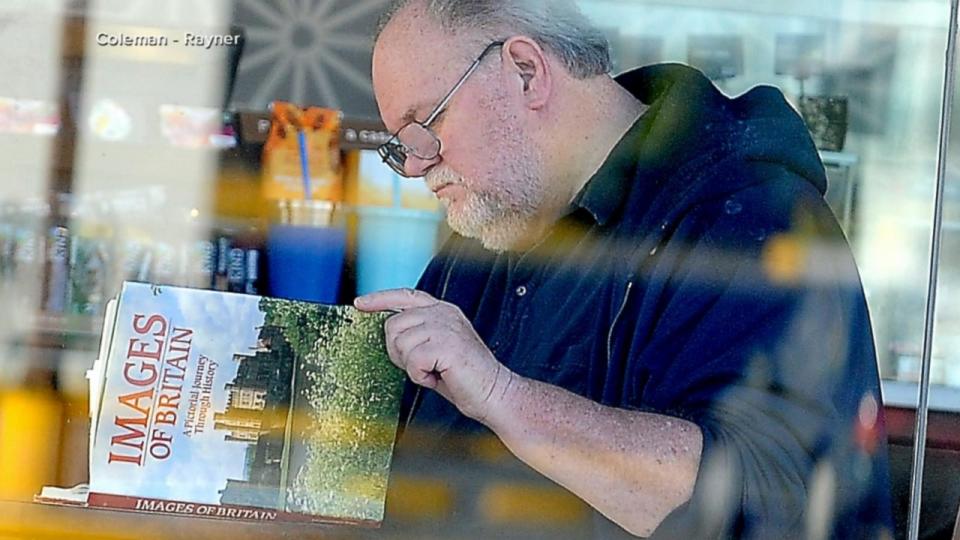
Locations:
(165, 266)
(58, 271)
(236, 270)
(213, 511)
(182, 508)
(202, 264)
(253, 272)
(220, 281)
(134, 260)
(27, 252)
(8, 243)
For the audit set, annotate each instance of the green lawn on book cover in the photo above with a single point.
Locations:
(344, 410)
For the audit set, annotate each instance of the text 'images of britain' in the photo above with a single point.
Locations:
(226, 402)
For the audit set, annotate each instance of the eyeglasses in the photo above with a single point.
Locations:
(416, 138)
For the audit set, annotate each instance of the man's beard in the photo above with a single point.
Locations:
(502, 214)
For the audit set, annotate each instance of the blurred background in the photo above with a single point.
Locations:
(165, 164)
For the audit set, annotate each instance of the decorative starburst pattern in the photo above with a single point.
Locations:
(309, 52)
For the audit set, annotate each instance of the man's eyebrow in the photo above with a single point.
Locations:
(406, 118)
(411, 113)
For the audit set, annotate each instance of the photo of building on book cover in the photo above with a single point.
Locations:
(233, 400)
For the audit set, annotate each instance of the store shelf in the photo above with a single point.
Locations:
(355, 133)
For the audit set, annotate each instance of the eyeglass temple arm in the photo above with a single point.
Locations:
(446, 99)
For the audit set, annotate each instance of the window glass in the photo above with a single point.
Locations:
(134, 146)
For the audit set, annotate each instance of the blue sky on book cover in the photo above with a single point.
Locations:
(195, 464)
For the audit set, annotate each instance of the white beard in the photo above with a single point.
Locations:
(499, 217)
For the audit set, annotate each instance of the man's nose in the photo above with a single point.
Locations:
(416, 167)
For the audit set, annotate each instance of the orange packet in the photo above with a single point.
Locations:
(282, 162)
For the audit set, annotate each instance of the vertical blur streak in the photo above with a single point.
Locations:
(30, 152)
(920, 441)
(31, 81)
(820, 504)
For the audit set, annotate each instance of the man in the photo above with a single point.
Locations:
(647, 300)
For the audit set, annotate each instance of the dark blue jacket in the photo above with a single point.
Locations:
(700, 274)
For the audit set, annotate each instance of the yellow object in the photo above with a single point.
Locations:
(504, 503)
(489, 448)
(350, 172)
(238, 194)
(784, 258)
(413, 498)
(283, 176)
(29, 442)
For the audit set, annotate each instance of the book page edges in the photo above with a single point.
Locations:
(96, 376)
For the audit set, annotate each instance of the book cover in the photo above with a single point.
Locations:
(225, 405)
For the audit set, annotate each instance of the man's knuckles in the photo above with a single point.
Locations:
(394, 325)
(407, 341)
(419, 376)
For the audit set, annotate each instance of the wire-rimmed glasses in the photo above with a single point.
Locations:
(416, 138)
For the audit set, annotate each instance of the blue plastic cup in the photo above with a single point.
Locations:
(305, 255)
(394, 246)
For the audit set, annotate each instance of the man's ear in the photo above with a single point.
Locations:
(526, 60)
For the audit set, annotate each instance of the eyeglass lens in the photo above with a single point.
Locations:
(419, 141)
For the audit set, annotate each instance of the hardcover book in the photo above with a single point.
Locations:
(236, 406)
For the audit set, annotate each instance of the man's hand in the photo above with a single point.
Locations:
(632, 466)
(438, 348)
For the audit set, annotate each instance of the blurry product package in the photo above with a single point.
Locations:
(196, 263)
(203, 263)
(58, 269)
(301, 158)
(29, 243)
(134, 259)
(90, 261)
(23, 257)
(165, 264)
(195, 127)
(236, 262)
(220, 277)
(252, 274)
(29, 116)
(111, 120)
(7, 245)
(236, 270)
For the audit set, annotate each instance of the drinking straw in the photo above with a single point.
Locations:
(304, 167)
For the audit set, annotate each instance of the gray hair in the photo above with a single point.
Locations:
(557, 25)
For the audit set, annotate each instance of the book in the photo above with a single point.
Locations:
(236, 406)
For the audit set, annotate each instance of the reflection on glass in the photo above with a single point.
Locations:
(118, 163)
(848, 75)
